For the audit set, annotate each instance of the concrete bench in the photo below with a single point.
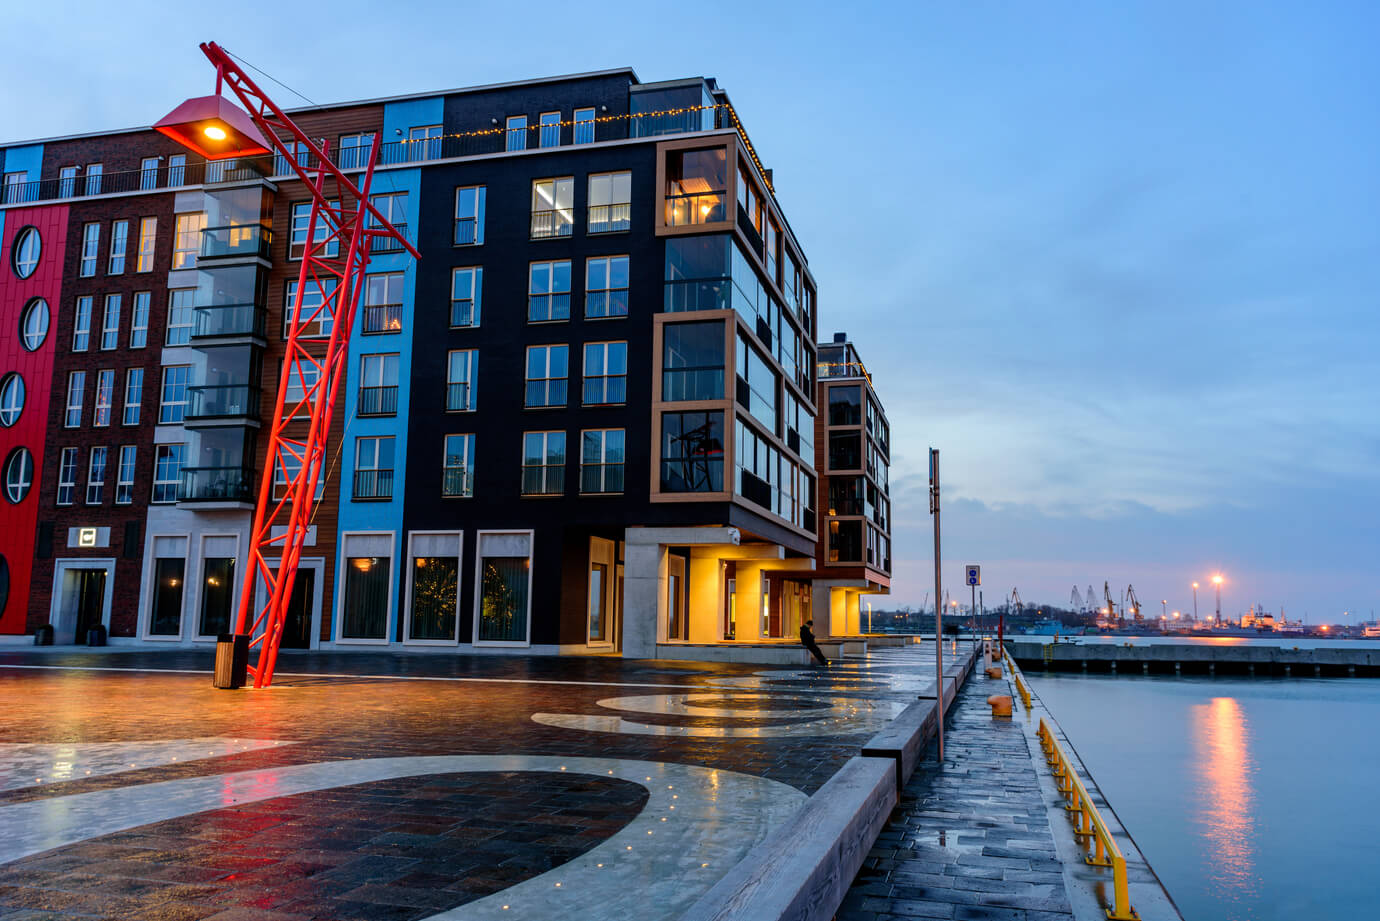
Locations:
(904, 739)
(803, 870)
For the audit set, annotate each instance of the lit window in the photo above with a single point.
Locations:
(553, 207)
(187, 240)
(548, 373)
(601, 460)
(19, 475)
(383, 303)
(610, 202)
(119, 241)
(148, 239)
(457, 474)
(466, 296)
(33, 325)
(548, 291)
(543, 463)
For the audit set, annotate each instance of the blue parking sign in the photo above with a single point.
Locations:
(974, 575)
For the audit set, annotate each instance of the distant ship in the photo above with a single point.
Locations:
(1047, 628)
(1371, 629)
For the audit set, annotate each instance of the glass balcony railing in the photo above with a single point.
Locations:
(698, 208)
(211, 484)
(222, 320)
(222, 402)
(236, 240)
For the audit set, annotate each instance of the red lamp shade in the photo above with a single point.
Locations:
(214, 127)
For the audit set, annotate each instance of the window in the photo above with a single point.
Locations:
(110, 323)
(773, 247)
(139, 320)
(845, 405)
(282, 166)
(466, 296)
(124, 475)
(845, 540)
(25, 250)
(505, 586)
(180, 315)
(217, 592)
(301, 219)
(757, 388)
(95, 477)
(461, 378)
(33, 325)
(173, 404)
(19, 475)
(287, 470)
(764, 475)
(15, 187)
(76, 391)
(378, 385)
(383, 303)
(548, 291)
(90, 249)
(167, 471)
(105, 397)
(845, 450)
(543, 463)
(364, 611)
(550, 123)
(610, 202)
(187, 240)
(354, 150)
(67, 476)
(698, 273)
(177, 170)
(148, 238)
(696, 186)
(517, 133)
(548, 370)
(317, 302)
(11, 399)
(67, 182)
(606, 287)
(692, 452)
(93, 178)
(584, 126)
(457, 474)
(148, 173)
(434, 592)
(749, 201)
(119, 240)
(601, 460)
(425, 142)
(692, 361)
(553, 207)
(134, 395)
(81, 324)
(302, 377)
(606, 373)
(374, 468)
(393, 208)
(469, 215)
(165, 619)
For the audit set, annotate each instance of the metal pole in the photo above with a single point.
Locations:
(938, 602)
(1195, 602)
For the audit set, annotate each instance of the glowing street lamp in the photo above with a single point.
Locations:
(1195, 602)
(1217, 581)
(214, 127)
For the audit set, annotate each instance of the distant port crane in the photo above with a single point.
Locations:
(1016, 601)
(1109, 610)
(1076, 601)
(1133, 604)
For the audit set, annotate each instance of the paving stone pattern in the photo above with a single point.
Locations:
(969, 842)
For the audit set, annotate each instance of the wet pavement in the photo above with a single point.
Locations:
(409, 786)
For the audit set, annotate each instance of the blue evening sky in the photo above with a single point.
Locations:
(1117, 261)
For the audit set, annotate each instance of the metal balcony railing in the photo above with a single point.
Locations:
(611, 302)
(610, 218)
(458, 398)
(462, 312)
(211, 484)
(382, 318)
(388, 244)
(457, 481)
(466, 231)
(377, 401)
(222, 402)
(553, 224)
(543, 479)
(374, 484)
(544, 307)
(236, 240)
(222, 320)
(597, 478)
(697, 208)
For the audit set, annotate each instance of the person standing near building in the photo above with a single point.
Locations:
(807, 639)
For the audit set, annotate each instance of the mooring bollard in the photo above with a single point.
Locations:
(994, 671)
(1001, 705)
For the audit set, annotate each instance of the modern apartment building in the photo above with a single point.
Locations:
(584, 421)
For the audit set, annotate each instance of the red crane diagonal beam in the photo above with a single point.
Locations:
(348, 220)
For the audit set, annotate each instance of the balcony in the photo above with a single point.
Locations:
(222, 403)
(551, 225)
(610, 302)
(373, 484)
(377, 401)
(610, 218)
(382, 318)
(458, 398)
(388, 244)
(544, 308)
(696, 208)
(228, 321)
(236, 242)
(216, 484)
(462, 312)
(457, 482)
(467, 231)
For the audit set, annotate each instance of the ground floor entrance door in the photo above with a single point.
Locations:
(89, 594)
(297, 623)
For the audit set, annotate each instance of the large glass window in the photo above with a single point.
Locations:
(505, 572)
(94, 173)
(110, 322)
(610, 202)
(67, 476)
(698, 273)
(67, 181)
(33, 325)
(81, 325)
(516, 137)
(355, 150)
(76, 394)
(692, 452)
(12, 395)
(469, 215)
(548, 291)
(845, 450)
(548, 372)
(119, 243)
(166, 617)
(181, 315)
(692, 361)
(845, 540)
(606, 373)
(696, 186)
(177, 170)
(378, 385)
(134, 396)
(435, 595)
(187, 240)
(550, 123)
(846, 495)
(543, 463)
(466, 296)
(90, 249)
(318, 320)
(365, 614)
(584, 126)
(759, 380)
(105, 397)
(374, 467)
(457, 472)
(462, 374)
(217, 590)
(139, 320)
(601, 460)
(553, 207)
(301, 223)
(606, 287)
(425, 141)
(172, 405)
(19, 475)
(383, 303)
(95, 476)
(845, 405)
(167, 471)
(124, 475)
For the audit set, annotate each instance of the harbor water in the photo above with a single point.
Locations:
(1253, 799)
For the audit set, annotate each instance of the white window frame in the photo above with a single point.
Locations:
(611, 180)
(67, 181)
(81, 323)
(480, 195)
(585, 375)
(584, 116)
(479, 589)
(139, 320)
(119, 245)
(17, 487)
(459, 588)
(91, 471)
(148, 242)
(475, 273)
(148, 173)
(76, 397)
(177, 170)
(110, 322)
(90, 247)
(547, 380)
(124, 474)
(467, 466)
(325, 320)
(187, 229)
(34, 324)
(137, 404)
(515, 129)
(545, 454)
(180, 316)
(608, 276)
(104, 401)
(176, 482)
(543, 124)
(94, 172)
(67, 476)
(471, 379)
(343, 560)
(603, 462)
(299, 220)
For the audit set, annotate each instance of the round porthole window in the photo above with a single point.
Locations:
(19, 475)
(33, 325)
(28, 246)
(11, 399)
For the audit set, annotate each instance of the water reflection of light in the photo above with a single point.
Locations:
(1222, 739)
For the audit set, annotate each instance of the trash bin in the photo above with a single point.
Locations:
(96, 635)
(232, 660)
(43, 636)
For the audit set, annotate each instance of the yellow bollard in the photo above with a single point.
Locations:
(1001, 705)
(994, 671)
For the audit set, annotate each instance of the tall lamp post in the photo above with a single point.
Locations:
(1217, 581)
(1195, 602)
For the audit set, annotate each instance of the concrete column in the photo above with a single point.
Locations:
(644, 598)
